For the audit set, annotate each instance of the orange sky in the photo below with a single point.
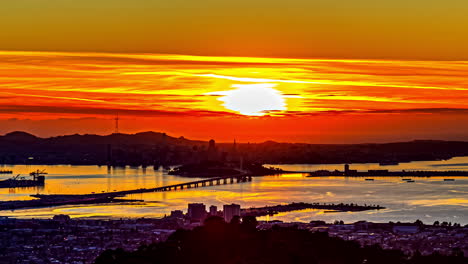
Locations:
(395, 29)
(250, 99)
(358, 71)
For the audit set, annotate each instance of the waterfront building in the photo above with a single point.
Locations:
(177, 214)
(213, 210)
(347, 171)
(231, 210)
(196, 212)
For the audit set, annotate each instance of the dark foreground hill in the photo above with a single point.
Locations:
(152, 148)
(218, 242)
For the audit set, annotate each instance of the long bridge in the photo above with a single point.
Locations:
(174, 187)
(193, 184)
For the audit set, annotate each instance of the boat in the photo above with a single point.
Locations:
(410, 181)
(449, 179)
(38, 179)
(407, 179)
(369, 179)
(6, 172)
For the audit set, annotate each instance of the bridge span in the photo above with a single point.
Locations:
(174, 187)
(193, 184)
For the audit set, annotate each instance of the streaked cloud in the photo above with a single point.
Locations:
(54, 85)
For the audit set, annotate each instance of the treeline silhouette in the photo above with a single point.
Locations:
(220, 242)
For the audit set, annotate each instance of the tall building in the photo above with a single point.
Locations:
(231, 210)
(213, 210)
(212, 152)
(196, 212)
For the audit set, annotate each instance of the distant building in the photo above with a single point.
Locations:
(347, 171)
(213, 210)
(196, 212)
(377, 172)
(231, 210)
(177, 214)
(61, 218)
(212, 152)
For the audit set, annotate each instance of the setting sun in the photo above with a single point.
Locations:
(253, 99)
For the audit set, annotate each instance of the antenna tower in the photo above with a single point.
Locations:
(117, 124)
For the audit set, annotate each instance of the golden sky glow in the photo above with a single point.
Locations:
(46, 92)
(385, 29)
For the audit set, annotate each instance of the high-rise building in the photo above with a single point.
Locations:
(231, 210)
(196, 212)
(212, 152)
(213, 210)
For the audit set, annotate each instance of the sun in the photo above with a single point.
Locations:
(252, 99)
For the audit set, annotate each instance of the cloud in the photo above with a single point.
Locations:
(106, 111)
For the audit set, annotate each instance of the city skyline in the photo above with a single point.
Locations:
(247, 131)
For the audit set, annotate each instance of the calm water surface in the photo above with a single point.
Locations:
(428, 199)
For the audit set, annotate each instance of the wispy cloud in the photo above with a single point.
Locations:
(156, 84)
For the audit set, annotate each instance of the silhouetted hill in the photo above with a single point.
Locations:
(151, 148)
(19, 136)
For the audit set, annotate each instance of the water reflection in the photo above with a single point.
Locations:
(428, 199)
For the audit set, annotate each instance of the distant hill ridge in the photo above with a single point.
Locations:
(147, 148)
(155, 137)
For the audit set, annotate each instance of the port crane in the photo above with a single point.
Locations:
(37, 173)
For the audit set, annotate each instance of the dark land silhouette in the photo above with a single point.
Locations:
(159, 149)
(219, 242)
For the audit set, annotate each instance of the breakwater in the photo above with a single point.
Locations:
(275, 209)
(386, 173)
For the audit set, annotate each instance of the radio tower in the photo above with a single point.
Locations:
(117, 124)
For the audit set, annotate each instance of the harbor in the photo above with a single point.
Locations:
(36, 178)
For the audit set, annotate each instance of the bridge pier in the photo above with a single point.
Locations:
(224, 180)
